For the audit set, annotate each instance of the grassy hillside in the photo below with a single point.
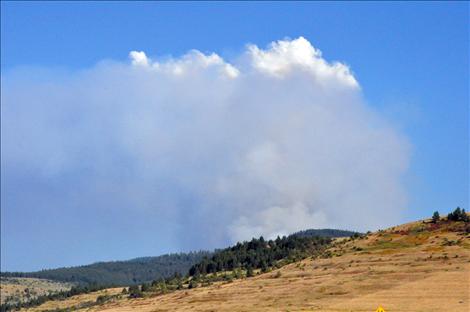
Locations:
(21, 289)
(129, 272)
(420, 266)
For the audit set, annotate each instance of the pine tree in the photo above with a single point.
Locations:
(458, 215)
(249, 271)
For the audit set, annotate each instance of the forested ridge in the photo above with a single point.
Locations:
(146, 269)
(260, 254)
(325, 233)
(120, 273)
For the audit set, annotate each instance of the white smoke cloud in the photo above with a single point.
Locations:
(276, 141)
(286, 56)
(139, 58)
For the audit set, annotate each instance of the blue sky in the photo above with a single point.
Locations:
(411, 60)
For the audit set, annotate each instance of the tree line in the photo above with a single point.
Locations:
(259, 254)
(458, 214)
(120, 273)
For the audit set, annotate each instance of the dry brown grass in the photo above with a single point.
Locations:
(17, 288)
(74, 301)
(412, 267)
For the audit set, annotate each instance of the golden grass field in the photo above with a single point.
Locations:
(413, 267)
(19, 287)
(75, 301)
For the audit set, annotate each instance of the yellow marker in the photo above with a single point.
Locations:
(380, 309)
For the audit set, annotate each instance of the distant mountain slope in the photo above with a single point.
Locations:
(135, 271)
(142, 270)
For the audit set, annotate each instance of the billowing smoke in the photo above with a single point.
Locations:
(276, 141)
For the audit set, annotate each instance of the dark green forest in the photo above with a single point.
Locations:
(325, 233)
(120, 273)
(260, 254)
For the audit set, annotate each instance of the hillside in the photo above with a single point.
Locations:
(20, 289)
(135, 271)
(140, 270)
(259, 254)
(420, 266)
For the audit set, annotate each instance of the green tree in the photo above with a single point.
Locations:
(464, 216)
(435, 217)
(264, 266)
(249, 272)
(458, 215)
(454, 216)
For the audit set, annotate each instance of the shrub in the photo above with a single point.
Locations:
(102, 299)
(144, 287)
(135, 292)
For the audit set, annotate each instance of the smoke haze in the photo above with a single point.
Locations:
(271, 142)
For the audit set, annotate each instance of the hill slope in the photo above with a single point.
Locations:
(21, 289)
(140, 270)
(128, 272)
(413, 267)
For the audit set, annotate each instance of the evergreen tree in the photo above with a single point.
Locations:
(249, 271)
(458, 215)
(264, 266)
(259, 254)
(464, 216)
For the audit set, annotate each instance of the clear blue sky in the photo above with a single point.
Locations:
(411, 59)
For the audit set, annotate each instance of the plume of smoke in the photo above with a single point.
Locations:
(279, 140)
